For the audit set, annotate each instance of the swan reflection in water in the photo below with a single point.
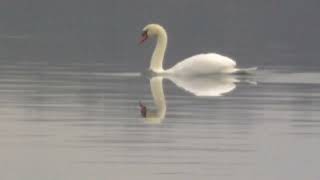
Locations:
(158, 114)
(206, 86)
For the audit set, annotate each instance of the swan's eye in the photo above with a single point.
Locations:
(144, 36)
(144, 33)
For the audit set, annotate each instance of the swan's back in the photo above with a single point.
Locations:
(204, 64)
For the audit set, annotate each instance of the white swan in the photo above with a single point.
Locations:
(209, 63)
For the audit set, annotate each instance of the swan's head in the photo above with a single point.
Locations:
(151, 30)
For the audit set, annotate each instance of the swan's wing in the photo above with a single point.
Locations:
(204, 64)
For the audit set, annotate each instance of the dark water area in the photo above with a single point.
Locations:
(71, 83)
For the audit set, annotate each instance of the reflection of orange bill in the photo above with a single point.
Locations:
(143, 109)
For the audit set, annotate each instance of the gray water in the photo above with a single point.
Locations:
(71, 83)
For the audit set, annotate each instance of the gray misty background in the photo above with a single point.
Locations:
(262, 33)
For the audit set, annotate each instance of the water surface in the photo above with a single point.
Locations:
(77, 121)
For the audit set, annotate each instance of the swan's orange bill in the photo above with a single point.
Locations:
(144, 37)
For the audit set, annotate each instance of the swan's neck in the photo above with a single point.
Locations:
(156, 64)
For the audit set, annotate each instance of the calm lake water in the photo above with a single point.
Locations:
(77, 121)
(71, 85)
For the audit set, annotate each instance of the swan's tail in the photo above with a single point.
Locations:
(245, 71)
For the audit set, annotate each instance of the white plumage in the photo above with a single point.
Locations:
(201, 64)
(204, 64)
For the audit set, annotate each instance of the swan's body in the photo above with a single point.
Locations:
(200, 64)
(204, 64)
